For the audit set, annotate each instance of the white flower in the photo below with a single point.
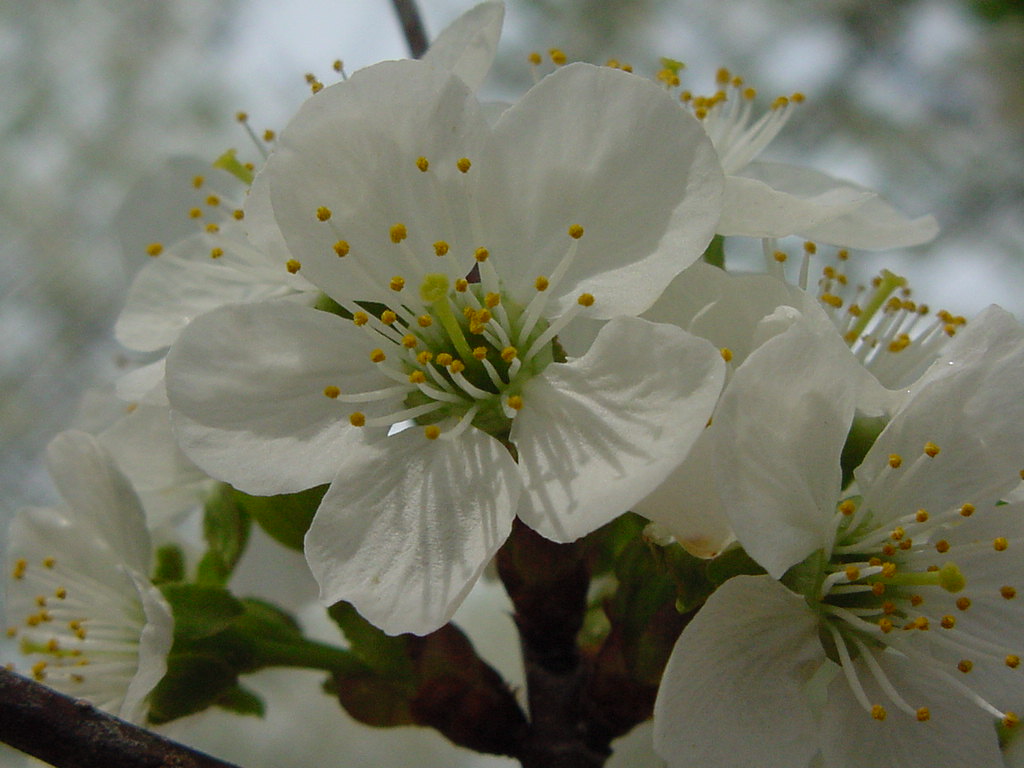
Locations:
(887, 630)
(96, 625)
(775, 199)
(391, 190)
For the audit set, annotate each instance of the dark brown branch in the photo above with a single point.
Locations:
(412, 26)
(71, 733)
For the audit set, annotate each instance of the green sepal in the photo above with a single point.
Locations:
(241, 701)
(732, 562)
(192, 683)
(285, 517)
(714, 254)
(862, 435)
(170, 564)
(385, 654)
(226, 530)
(200, 610)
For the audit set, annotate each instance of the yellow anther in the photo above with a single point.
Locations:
(852, 573)
(492, 300)
(585, 300)
(195, 213)
(888, 570)
(397, 283)
(398, 232)
(424, 357)
(341, 248)
(480, 353)
(888, 550)
(49, 562)
(440, 248)
(20, 565)
(331, 391)
(197, 181)
(726, 354)
(897, 533)
(41, 601)
(432, 432)
(338, 65)
(293, 265)
(942, 546)
(360, 318)
(212, 228)
(780, 102)
(1008, 592)
(357, 419)
(323, 213)
(444, 359)
(457, 366)
(878, 589)
(12, 632)
(409, 341)
(424, 321)
(39, 670)
(948, 622)
(542, 283)
(388, 317)
(749, 94)
(810, 247)
(1010, 719)
(154, 249)
(481, 254)
(931, 449)
(923, 715)
(417, 377)
(269, 135)
(900, 343)
(780, 256)
(885, 625)
(508, 354)
(463, 164)
(216, 253)
(212, 200)
(557, 57)
(797, 97)
(847, 507)
(515, 402)
(316, 86)
(878, 712)
(832, 300)
(626, 67)
(967, 510)
(575, 231)
(963, 603)
(921, 622)
(535, 58)
(1000, 544)
(422, 163)
(242, 117)
(378, 356)
(921, 515)
(965, 665)
(60, 593)
(906, 544)
(461, 285)
(1012, 661)
(723, 76)
(916, 600)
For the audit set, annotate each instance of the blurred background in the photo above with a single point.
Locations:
(920, 99)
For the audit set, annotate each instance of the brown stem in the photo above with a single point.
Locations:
(412, 26)
(71, 733)
(548, 583)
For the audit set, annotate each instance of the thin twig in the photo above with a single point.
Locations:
(412, 26)
(71, 733)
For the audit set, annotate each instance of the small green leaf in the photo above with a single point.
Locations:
(226, 530)
(170, 564)
(200, 610)
(241, 701)
(286, 517)
(192, 683)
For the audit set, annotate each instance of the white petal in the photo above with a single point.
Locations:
(970, 404)
(353, 149)
(144, 385)
(958, 733)
(597, 434)
(606, 150)
(100, 495)
(467, 46)
(783, 421)
(246, 383)
(732, 692)
(154, 645)
(409, 524)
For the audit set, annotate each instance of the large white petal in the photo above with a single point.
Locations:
(467, 46)
(353, 149)
(155, 643)
(971, 405)
(409, 524)
(822, 208)
(246, 384)
(732, 695)
(597, 434)
(958, 733)
(606, 150)
(783, 421)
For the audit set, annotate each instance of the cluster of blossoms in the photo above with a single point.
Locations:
(455, 314)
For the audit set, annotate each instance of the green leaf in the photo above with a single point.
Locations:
(192, 683)
(241, 701)
(170, 564)
(200, 610)
(226, 530)
(286, 517)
